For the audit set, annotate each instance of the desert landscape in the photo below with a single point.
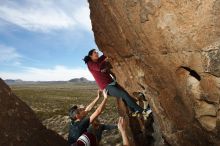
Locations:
(165, 53)
(51, 101)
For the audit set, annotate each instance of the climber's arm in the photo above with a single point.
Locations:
(92, 104)
(102, 58)
(125, 139)
(100, 108)
(122, 126)
(95, 65)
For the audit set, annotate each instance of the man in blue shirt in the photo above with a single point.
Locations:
(80, 122)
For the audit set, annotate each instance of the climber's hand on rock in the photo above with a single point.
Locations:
(106, 59)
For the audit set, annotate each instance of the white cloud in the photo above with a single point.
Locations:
(45, 16)
(82, 17)
(57, 73)
(9, 55)
(31, 19)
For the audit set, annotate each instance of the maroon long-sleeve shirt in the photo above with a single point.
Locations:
(101, 78)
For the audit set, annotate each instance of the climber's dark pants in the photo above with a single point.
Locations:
(117, 91)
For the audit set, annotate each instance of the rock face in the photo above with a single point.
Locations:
(170, 51)
(19, 125)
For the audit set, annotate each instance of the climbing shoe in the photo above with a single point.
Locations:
(135, 114)
(146, 113)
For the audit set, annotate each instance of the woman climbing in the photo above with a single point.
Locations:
(98, 67)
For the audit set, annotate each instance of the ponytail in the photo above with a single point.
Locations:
(86, 59)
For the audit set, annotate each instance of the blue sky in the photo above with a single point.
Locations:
(44, 39)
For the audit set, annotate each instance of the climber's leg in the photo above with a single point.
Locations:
(115, 90)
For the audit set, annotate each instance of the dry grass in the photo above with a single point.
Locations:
(52, 101)
(49, 100)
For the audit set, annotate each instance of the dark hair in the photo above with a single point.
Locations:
(87, 58)
(73, 111)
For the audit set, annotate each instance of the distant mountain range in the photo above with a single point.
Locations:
(10, 81)
(75, 80)
(80, 80)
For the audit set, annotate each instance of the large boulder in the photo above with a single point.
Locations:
(19, 125)
(170, 51)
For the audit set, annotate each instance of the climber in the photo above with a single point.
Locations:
(97, 66)
(97, 129)
(79, 121)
